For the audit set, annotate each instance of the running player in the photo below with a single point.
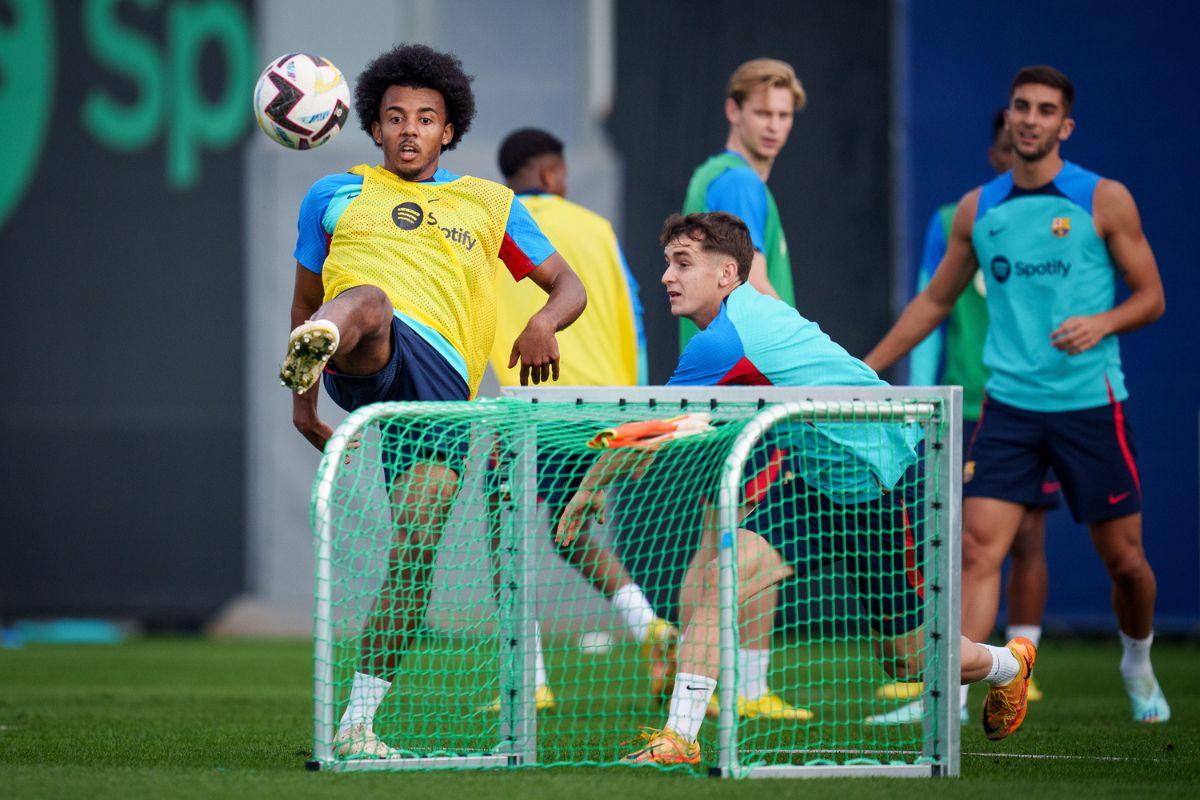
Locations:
(1051, 239)
(605, 347)
(761, 101)
(953, 355)
(751, 339)
(394, 300)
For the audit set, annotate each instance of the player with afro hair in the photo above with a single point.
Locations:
(418, 67)
(394, 301)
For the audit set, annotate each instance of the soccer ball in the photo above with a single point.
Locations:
(301, 101)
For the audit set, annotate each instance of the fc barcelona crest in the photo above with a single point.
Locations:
(1060, 226)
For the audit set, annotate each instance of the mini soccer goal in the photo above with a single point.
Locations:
(552, 578)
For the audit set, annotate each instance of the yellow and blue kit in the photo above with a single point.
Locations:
(433, 247)
(606, 345)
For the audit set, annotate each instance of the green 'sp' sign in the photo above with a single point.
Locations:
(26, 94)
(169, 102)
(169, 95)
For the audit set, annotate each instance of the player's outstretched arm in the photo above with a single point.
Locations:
(588, 501)
(1119, 224)
(930, 308)
(536, 348)
(306, 299)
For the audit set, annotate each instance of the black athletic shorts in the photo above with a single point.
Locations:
(416, 371)
(1091, 452)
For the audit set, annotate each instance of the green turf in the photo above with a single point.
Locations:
(195, 718)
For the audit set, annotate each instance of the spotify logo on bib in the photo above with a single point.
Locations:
(407, 216)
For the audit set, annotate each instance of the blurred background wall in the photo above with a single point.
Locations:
(146, 233)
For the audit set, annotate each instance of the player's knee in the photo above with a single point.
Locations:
(1128, 567)
(372, 306)
(979, 551)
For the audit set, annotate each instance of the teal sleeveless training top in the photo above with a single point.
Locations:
(1043, 261)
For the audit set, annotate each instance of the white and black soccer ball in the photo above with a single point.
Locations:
(301, 101)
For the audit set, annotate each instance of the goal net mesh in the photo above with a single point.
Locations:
(439, 571)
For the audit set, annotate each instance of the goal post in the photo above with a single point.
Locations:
(806, 467)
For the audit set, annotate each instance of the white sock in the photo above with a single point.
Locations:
(753, 666)
(962, 695)
(541, 677)
(1135, 663)
(1031, 632)
(634, 609)
(1004, 665)
(366, 693)
(689, 702)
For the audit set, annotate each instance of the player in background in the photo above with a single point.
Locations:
(748, 338)
(953, 356)
(761, 101)
(374, 245)
(605, 347)
(1051, 239)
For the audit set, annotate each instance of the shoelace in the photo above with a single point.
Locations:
(647, 735)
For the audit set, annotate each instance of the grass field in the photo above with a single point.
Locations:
(197, 718)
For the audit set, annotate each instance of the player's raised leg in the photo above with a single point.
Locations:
(1119, 543)
(353, 330)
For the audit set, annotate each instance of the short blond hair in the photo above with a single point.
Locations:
(769, 72)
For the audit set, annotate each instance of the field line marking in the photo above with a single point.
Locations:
(1034, 756)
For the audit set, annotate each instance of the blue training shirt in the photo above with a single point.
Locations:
(756, 340)
(1043, 262)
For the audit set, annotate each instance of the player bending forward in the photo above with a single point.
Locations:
(394, 275)
(749, 338)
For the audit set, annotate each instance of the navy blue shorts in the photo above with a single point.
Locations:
(1091, 452)
(875, 540)
(1050, 494)
(415, 371)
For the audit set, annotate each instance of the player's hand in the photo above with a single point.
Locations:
(584, 505)
(312, 428)
(1078, 334)
(537, 350)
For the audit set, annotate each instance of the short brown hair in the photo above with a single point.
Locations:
(1046, 76)
(765, 72)
(717, 232)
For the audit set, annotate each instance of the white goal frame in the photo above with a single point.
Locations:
(938, 404)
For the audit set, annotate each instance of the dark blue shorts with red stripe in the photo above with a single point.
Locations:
(875, 542)
(1090, 450)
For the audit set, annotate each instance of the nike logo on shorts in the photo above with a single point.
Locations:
(995, 231)
(1113, 499)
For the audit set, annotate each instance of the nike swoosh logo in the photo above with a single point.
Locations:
(1113, 499)
(1049, 487)
(695, 688)
(994, 231)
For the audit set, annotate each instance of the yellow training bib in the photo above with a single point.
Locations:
(433, 248)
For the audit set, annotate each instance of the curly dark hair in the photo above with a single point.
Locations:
(418, 67)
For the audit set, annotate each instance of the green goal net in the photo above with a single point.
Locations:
(553, 578)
